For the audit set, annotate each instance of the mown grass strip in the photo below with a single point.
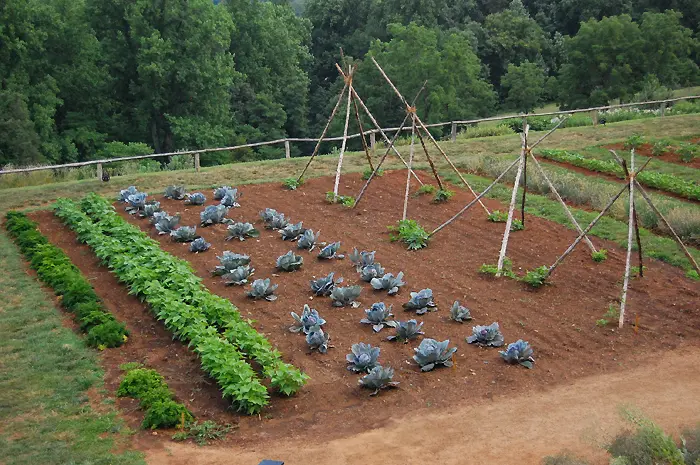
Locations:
(46, 372)
(77, 295)
(661, 248)
(656, 180)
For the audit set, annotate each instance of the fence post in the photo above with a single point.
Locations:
(196, 162)
(594, 117)
(663, 109)
(287, 150)
(454, 132)
(99, 171)
(373, 141)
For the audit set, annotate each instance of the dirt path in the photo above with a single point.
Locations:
(519, 430)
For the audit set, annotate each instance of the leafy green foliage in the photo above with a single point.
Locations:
(77, 295)
(653, 179)
(692, 274)
(497, 216)
(378, 378)
(431, 353)
(518, 352)
(378, 316)
(646, 443)
(410, 233)
(368, 172)
(292, 183)
(330, 251)
(459, 313)
(599, 256)
(345, 200)
(363, 358)
(442, 196)
(537, 277)
(211, 325)
(421, 302)
(389, 283)
(688, 152)
(634, 141)
(524, 86)
(488, 336)
(202, 432)
(426, 189)
(165, 414)
(610, 316)
(406, 331)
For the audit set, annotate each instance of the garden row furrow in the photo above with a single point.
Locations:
(662, 181)
(54, 268)
(177, 297)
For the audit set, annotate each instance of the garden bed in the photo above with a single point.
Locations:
(669, 157)
(558, 320)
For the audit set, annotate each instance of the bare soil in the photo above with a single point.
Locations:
(668, 157)
(558, 320)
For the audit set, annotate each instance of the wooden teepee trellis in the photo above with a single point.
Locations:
(418, 129)
(631, 186)
(353, 99)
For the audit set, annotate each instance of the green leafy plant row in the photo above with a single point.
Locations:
(210, 324)
(661, 181)
(154, 396)
(54, 268)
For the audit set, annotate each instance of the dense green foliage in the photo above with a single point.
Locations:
(85, 79)
(54, 268)
(178, 298)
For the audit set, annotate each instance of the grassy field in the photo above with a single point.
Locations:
(46, 377)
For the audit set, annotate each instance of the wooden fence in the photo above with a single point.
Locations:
(372, 134)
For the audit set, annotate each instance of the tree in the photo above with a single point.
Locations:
(512, 37)
(524, 86)
(605, 62)
(415, 53)
(19, 142)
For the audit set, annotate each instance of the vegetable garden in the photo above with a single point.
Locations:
(297, 310)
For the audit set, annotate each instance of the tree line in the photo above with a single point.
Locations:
(86, 79)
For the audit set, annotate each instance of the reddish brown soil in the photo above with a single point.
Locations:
(558, 320)
(668, 157)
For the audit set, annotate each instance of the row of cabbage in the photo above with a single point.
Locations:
(210, 324)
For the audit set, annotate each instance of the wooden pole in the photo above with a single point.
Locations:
(430, 136)
(585, 231)
(663, 109)
(454, 132)
(384, 136)
(527, 152)
(469, 205)
(345, 138)
(511, 208)
(430, 161)
(99, 171)
(594, 117)
(687, 253)
(325, 130)
(287, 150)
(197, 165)
(561, 201)
(362, 135)
(410, 164)
(630, 238)
(373, 142)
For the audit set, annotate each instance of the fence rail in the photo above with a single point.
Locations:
(372, 133)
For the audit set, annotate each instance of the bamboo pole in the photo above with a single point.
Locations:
(585, 231)
(364, 141)
(668, 225)
(410, 164)
(325, 130)
(430, 136)
(384, 136)
(345, 139)
(526, 152)
(561, 201)
(511, 208)
(630, 238)
(470, 204)
(430, 161)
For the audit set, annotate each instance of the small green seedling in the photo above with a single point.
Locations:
(599, 256)
(346, 200)
(410, 233)
(425, 189)
(536, 278)
(292, 183)
(368, 172)
(443, 195)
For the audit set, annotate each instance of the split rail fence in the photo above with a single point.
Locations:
(372, 134)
